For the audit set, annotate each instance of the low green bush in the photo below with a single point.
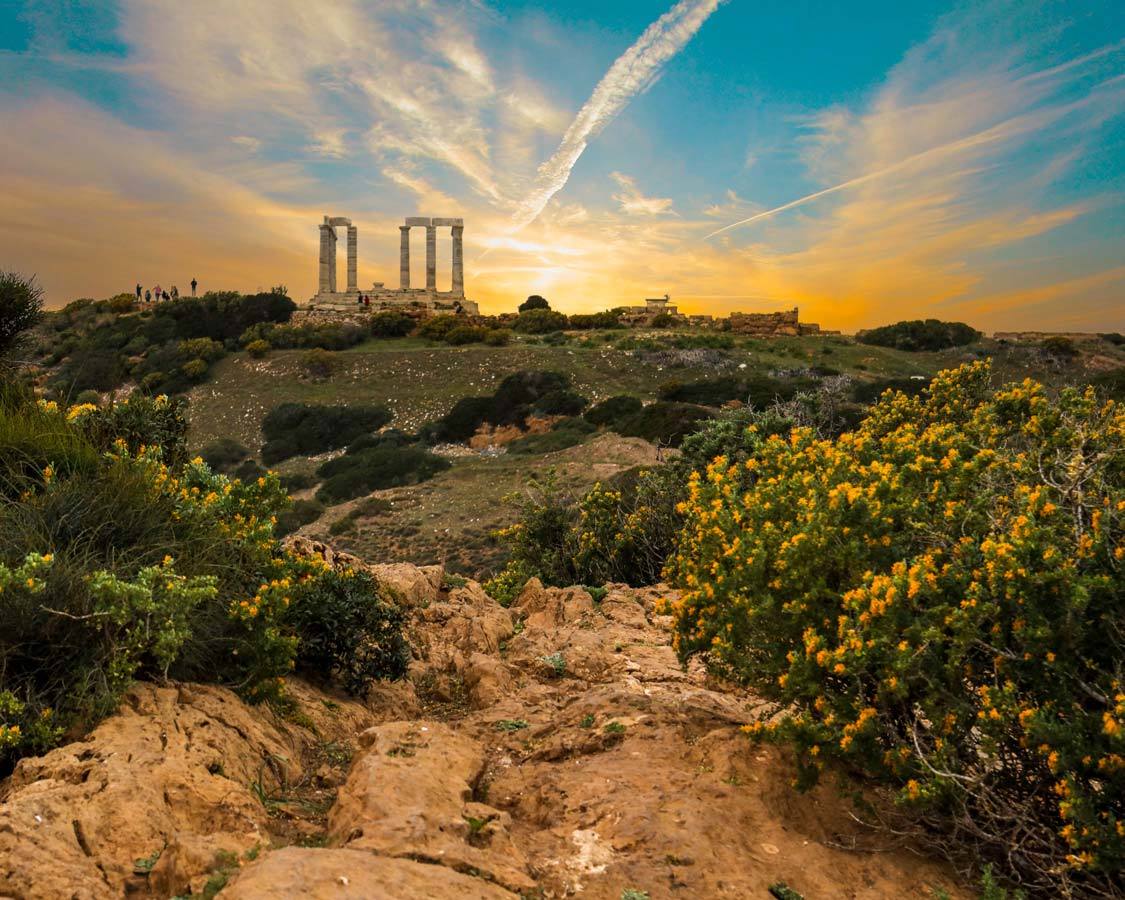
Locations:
(613, 410)
(223, 454)
(917, 335)
(664, 423)
(540, 321)
(498, 337)
(759, 391)
(391, 324)
(259, 348)
(437, 328)
(351, 630)
(298, 513)
(560, 403)
(293, 429)
(319, 363)
(354, 475)
(509, 405)
(465, 334)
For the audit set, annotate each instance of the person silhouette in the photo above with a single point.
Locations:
(193, 284)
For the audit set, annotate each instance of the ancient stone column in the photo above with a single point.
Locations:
(458, 261)
(431, 258)
(404, 258)
(325, 259)
(353, 239)
(331, 259)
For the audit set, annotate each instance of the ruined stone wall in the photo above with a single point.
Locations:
(766, 324)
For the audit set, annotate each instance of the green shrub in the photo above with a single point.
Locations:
(299, 512)
(391, 437)
(205, 349)
(391, 324)
(354, 475)
(293, 429)
(614, 410)
(560, 403)
(928, 334)
(540, 321)
(258, 348)
(590, 321)
(297, 481)
(664, 423)
(350, 629)
(223, 454)
(138, 422)
(534, 302)
(21, 308)
(869, 391)
(437, 328)
(509, 405)
(1059, 347)
(498, 337)
(194, 369)
(759, 391)
(319, 363)
(934, 601)
(465, 334)
(88, 397)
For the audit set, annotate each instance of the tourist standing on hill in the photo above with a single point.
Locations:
(148, 296)
(175, 293)
(193, 284)
(159, 293)
(138, 291)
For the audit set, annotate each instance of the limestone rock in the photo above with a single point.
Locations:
(167, 775)
(409, 795)
(354, 875)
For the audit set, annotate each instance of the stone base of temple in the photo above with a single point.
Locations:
(436, 302)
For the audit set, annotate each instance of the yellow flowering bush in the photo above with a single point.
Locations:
(935, 600)
(117, 563)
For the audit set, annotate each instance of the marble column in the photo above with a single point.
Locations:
(353, 240)
(458, 261)
(331, 259)
(404, 258)
(325, 259)
(431, 258)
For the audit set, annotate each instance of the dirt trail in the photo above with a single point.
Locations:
(549, 750)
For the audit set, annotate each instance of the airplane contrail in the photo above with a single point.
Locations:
(630, 74)
(989, 135)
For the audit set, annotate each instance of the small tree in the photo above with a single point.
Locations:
(21, 306)
(534, 302)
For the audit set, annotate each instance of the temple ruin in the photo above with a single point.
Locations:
(380, 296)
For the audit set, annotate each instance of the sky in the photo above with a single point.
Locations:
(868, 161)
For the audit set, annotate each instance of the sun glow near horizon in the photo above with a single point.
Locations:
(968, 166)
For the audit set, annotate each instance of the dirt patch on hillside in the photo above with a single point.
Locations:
(550, 750)
(449, 519)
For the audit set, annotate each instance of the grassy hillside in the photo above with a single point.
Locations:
(450, 517)
(419, 381)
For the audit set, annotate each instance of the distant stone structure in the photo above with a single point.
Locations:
(771, 324)
(776, 324)
(428, 298)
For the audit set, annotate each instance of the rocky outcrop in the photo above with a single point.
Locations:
(553, 749)
(159, 796)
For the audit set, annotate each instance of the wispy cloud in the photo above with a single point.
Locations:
(633, 202)
(630, 74)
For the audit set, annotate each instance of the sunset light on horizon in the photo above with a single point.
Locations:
(867, 162)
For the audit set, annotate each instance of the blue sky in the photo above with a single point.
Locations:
(961, 161)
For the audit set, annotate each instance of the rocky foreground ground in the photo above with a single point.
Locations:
(548, 750)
